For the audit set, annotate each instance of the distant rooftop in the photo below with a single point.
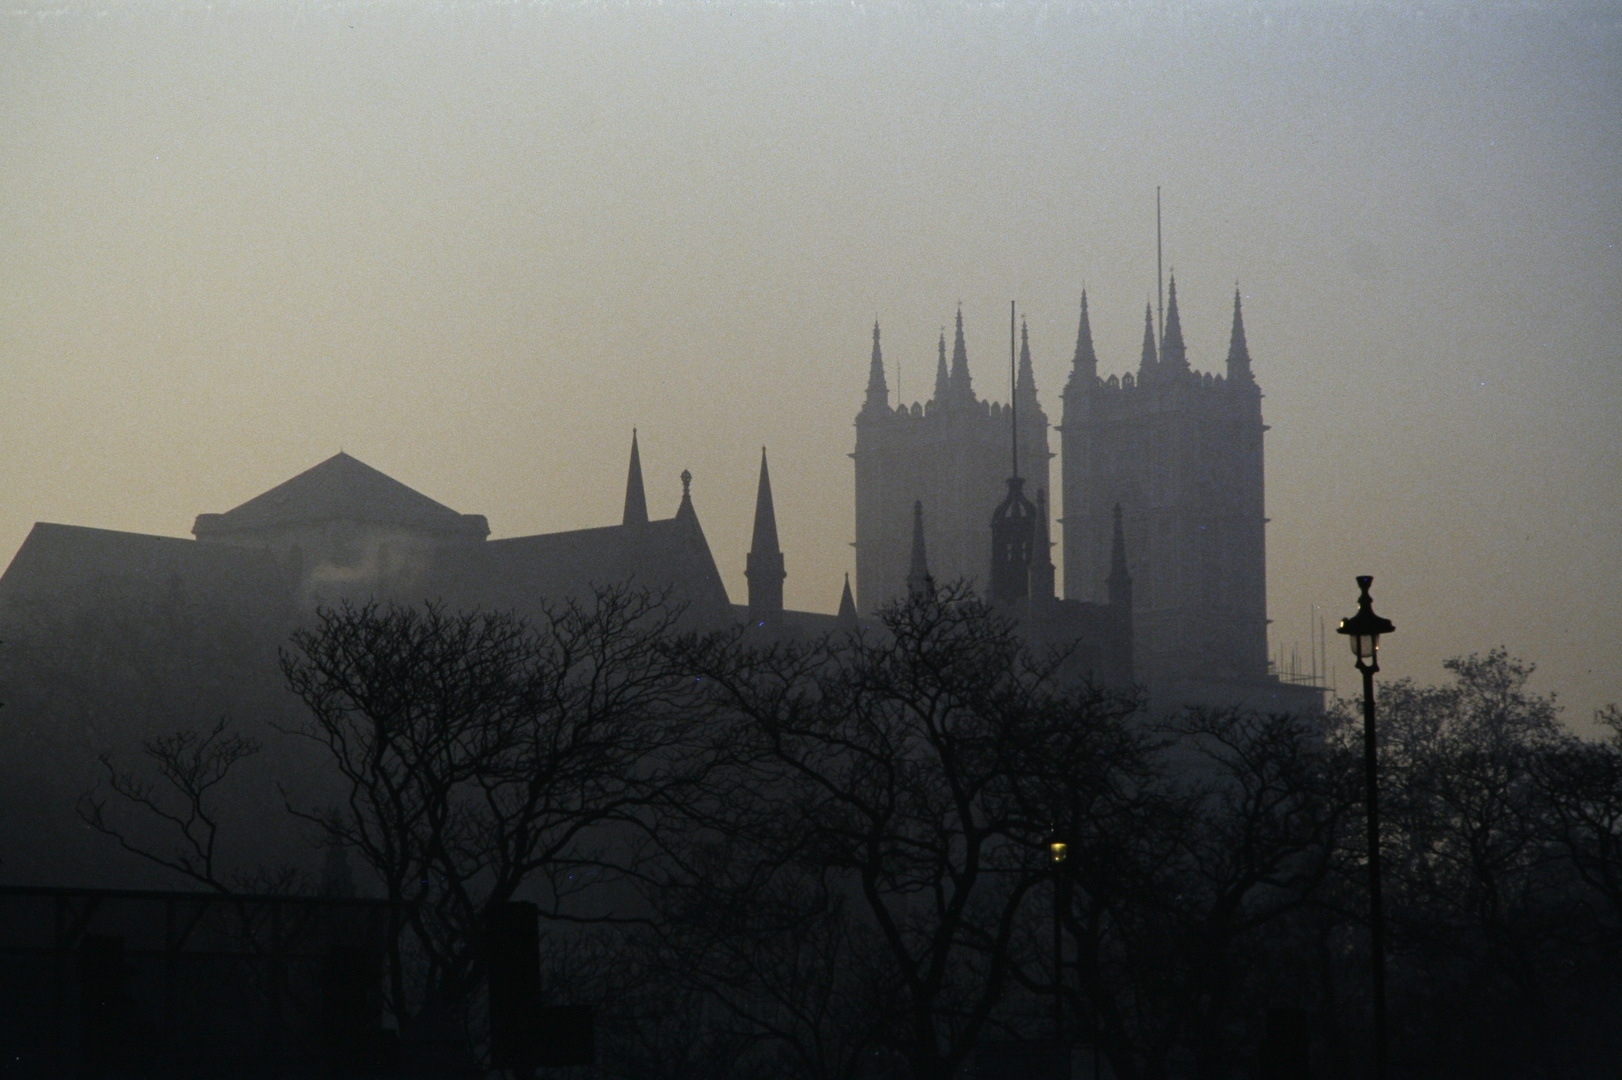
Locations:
(341, 489)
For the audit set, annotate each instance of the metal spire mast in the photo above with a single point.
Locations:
(1013, 392)
(1160, 279)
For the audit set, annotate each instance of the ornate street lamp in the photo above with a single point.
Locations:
(1365, 629)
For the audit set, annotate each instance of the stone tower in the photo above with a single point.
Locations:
(1179, 452)
(949, 454)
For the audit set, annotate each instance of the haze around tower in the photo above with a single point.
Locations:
(475, 244)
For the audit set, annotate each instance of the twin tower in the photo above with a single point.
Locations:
(1179, 452)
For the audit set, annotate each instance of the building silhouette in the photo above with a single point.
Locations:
(950, 453)
(1162, 505)
(1180, 452)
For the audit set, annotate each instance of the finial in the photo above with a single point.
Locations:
(636, 499)
(961, 385)
(686, 483)
(1238, 350)
(1150, 359)
(1173, 354)
(764, 566)
(877, 402)
(1084, 366)
(847, 606)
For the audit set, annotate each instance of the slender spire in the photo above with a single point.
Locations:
(636, 499)
(1085, 365)
(1013, 396)
(1120, 582)
(1149, 362)
(847, 607)
(878, 391)
(764, 566)
(1160, 275)
(961, 386)
(918, 580)
(1027, 375)
(1238, 351)
(1173, 356)
(943, 382)
(1042, 552)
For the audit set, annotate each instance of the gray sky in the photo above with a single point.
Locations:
(474, 244)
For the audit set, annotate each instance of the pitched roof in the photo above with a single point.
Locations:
(522, 572)
(342, 488)
(68, 565)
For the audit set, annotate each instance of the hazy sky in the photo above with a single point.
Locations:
(474, 244)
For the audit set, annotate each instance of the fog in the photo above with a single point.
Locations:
(473, 245)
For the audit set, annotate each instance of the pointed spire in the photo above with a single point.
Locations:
(962, 388)
(878, 391)
(1085, 365)
(1042, 553)
(636, 500)
(765, 538)
(1173, 356)
(1149, 361)
(847, 607)
(1120, 582)
(1238, 351)
(942, 380)
(1027, 375)
(918, 580)
(764, 566)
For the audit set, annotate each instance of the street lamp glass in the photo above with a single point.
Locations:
(1364, 646)
(1058, 849)
(1363, 630)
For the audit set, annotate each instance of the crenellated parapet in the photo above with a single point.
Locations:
(952, 453)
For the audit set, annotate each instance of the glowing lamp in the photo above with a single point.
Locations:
(1364, 628)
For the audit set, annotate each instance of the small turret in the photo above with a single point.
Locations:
(943, 381)
(1150, 359)
(764, 566)
(636, 499)
(1173, 355)
(878, 391)
(1238, 350)
(847, 608)
(1013, 535)
(685, 510)
(919, 583)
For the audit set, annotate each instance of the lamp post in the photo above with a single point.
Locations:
(1364, 630)
(1057, 850)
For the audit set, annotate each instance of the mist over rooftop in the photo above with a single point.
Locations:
(473, 245)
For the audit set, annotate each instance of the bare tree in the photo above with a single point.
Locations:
(190, 766)
(483, 756)
(866, 796)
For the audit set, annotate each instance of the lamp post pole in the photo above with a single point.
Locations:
(1057, 850)
(1364, 629)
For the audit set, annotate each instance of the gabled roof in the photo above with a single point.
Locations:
(342, 489)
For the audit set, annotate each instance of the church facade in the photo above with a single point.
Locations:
(1162, 503)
